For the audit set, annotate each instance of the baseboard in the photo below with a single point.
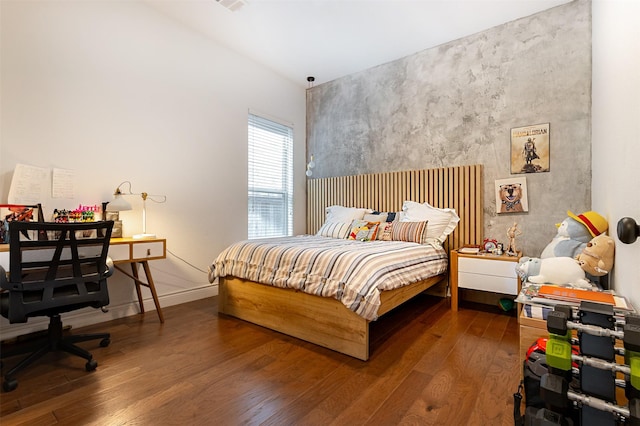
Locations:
(90, 316)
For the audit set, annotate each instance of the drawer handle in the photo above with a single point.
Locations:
(148, 252)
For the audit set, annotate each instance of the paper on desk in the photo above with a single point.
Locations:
(62, 185)
(29, 185)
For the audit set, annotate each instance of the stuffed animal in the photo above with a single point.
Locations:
(552, 270)
(597, 257)
(574, 233)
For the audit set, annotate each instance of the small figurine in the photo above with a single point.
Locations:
(512, 233)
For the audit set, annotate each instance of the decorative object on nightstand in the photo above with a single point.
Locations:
(512, 233)
(489, 245)
(120, 204)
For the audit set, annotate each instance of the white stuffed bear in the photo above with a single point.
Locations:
(552, 270)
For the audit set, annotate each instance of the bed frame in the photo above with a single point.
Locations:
(325, 321)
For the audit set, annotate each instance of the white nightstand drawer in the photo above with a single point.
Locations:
(145, 251)
(119, 252)
(499, 268)
(491, 283)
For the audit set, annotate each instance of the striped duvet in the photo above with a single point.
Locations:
(353, 272)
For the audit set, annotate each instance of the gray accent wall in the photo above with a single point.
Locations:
(455, 104)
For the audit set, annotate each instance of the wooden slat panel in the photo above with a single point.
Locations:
(458, 187)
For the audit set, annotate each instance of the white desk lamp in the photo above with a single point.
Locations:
(120, 204)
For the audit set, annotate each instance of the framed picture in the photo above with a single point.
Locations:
(116, 232)
(530, 151)
(511, 195)
(19, 213)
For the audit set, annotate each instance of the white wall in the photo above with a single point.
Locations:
(117, 91)
(616, 130)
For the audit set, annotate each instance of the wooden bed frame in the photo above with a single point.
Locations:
(325, 321)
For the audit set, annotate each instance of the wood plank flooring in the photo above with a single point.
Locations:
(429, 366)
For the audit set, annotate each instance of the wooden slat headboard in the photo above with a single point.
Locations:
(458, 187)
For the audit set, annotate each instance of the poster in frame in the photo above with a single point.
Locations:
(530, 149)
(19, 213)
(511, 195)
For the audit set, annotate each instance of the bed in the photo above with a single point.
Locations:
(318, 316)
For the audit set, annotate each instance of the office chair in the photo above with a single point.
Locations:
(54, 268)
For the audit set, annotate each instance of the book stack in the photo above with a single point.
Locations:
(469, 250)
(551, 295)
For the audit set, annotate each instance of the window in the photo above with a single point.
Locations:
(270, 178)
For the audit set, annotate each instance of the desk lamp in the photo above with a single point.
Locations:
(120, 204)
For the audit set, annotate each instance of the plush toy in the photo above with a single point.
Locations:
(574, 233)
(552, 270)
(597, 257)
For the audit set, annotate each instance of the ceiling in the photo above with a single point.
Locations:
(329, 39)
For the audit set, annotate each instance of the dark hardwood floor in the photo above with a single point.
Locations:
(429, 366)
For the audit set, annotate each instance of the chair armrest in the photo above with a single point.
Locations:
(110, 267)
(4, 282)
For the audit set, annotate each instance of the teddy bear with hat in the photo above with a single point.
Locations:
(574, 233)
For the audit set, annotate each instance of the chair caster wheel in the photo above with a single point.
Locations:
(9, 384)
(91, 365)
(105, 342)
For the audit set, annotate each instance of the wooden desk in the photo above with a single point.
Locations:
(127, 251)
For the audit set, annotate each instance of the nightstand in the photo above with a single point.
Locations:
(484, 272)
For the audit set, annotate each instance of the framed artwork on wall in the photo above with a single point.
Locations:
(511, 195)
(530, 150)
(19, 213)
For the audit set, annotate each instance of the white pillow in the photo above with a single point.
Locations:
(335, 230)
(344, 214)
(442, 222)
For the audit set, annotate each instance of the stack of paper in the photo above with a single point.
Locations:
(469, 250)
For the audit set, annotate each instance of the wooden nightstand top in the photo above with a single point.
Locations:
(491, 256)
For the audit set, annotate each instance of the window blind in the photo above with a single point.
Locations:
(270, 178)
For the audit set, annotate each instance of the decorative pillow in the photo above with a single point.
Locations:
(376, 217)
(363, 230)
(384, 231)
(385, 219)
(344, 214)
(335, 230)
(442, 222)
(412, 232)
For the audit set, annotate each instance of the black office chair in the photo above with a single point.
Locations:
(55, 268)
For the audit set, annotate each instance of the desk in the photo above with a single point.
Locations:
(127, 251)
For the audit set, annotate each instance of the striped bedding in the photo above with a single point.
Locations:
(351, 271)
